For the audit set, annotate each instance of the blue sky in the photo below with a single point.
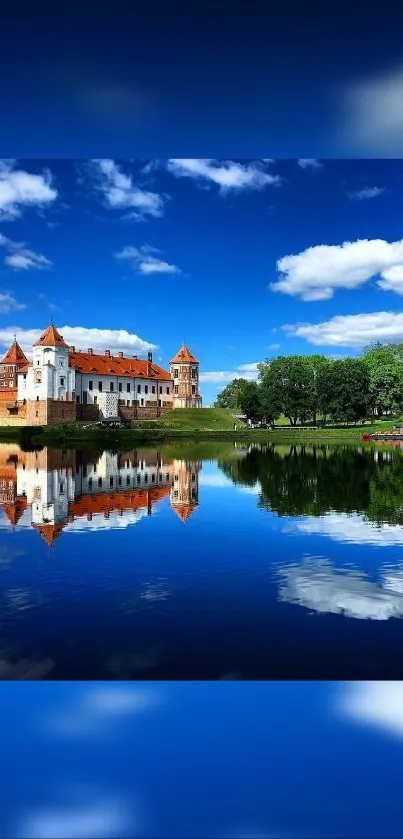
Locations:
(243, 258)
(201, 760)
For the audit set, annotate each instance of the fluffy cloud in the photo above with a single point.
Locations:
(99, 708)
(379, 704)
(372, 113)
(19, 189)
(315, 273)
(8, 303)
(351, 330)
(82, 337)
(121, 193)
(244, 371)
(226, 174)
(367, 192)
(99, 522)
(309, 163)
(315, 584)
(145, 262)
(98, 819)
(350, 529)
(20, 258)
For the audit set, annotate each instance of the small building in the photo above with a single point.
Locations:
(185, 374)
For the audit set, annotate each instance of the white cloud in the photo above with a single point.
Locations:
(8, 303)
(273, 347)
(143, 259)
(20, 257)
(316, 585)
(103, 818)
(244, 371)
(99, 522)
(366, 192)
(82, 337)
(19, 189)
(214, 480)
(379, 704)
(351, 330)
(121, 193)
(315, 273)
(309, 163)
(372, 113)
(226, 174)
(98, 708)
(348, 528)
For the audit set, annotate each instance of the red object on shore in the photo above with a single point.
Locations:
(366, 438)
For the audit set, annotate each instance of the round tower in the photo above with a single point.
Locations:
(185, 374)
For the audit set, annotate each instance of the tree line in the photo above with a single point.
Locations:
(304, 388)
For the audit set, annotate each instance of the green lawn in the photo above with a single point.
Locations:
(195, 419)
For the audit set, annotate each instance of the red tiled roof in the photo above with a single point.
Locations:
(50, 338)
(105, 503)
(15, 511)
(14, 355)
(106, 365)
(184, 356)
(184, 512)
(25, 368)
(50, 532)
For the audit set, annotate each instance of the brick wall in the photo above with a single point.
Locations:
(50, 412)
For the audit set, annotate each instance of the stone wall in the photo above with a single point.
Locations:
(50, 412)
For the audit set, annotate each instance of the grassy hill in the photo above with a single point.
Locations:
(196, 419)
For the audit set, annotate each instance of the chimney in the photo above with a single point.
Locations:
(120, 355)
(89, 351)
(135, 356)
(108, 353)
(150, 357)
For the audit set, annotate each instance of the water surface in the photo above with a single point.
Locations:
(204, 561)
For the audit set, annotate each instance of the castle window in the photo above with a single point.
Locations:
(128, 403)
(128, 387)
(175, 493)
(61, 363)
(146, 478)
(138, 478)
(89, 483)
(167, 389)
(100, 387)
(145, 388)
(128, 480)
(37, 398)
(142, 403)
(95, 400)
(153, 389)
(120, 387)
(62, 380)
(138, 388)
(111, 386)
(193, 372)
(193, 477)
(176, 389)
(176, 373)
(90, 385)
(77, 399)
(159, 403)
(152, 478)
(120, 480)
(193, 388)
(99, 482)
(37, 413)
(160, 389)
(111, 481)
(167, 476)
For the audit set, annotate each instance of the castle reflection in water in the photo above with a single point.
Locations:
(56, 490)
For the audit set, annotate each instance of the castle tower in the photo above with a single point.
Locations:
(185, 374)
(12, 362)
(50, 386)
(184, 495)
(48, 482)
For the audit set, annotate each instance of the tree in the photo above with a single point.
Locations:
(343, 389)
(315, 362)
(231, 396)
(287, 385)
(385, 377)
(250, 402)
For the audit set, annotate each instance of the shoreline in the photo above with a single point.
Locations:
(74, 437)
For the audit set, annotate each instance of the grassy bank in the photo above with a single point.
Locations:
(198, 425)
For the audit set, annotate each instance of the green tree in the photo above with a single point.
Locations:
(343, 389)
(385, 366)
(287, 385)
(250, 402)
(231, 396)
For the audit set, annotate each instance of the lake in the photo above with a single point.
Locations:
(202, 561)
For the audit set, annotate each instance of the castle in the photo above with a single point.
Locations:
(62, 384)
(57, 492)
